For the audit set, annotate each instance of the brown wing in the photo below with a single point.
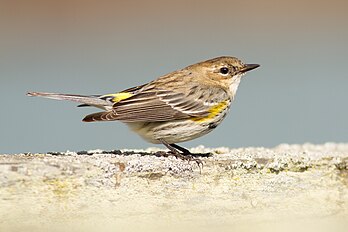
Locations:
(151, 109)
(152, 104)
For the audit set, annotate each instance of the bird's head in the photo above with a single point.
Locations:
(225, 71)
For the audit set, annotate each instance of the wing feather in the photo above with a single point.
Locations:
(153, 104)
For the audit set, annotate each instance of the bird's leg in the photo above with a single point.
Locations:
(173, 150)
(183, 150)
(187, 152)
(185, 155)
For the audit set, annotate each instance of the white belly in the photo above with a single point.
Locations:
(175, 131)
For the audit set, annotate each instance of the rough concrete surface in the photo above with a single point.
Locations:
(286, 188)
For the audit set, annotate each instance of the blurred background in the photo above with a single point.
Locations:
(298, 95)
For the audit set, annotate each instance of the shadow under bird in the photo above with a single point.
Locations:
(177, 107)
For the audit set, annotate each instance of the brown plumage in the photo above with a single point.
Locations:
(176, 107)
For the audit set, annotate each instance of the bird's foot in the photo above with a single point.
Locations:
(189, 157)
(201, 154)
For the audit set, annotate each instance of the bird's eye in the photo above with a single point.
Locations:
(224, 70)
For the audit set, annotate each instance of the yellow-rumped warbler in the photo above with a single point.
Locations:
(176, 107)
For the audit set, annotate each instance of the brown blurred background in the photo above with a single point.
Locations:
(94, 47)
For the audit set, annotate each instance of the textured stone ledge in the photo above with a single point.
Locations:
(130, 189)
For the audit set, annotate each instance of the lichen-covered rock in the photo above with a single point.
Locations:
(242, 186)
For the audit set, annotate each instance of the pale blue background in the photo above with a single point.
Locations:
(298, 95)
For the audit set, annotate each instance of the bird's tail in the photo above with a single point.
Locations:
(92, 100)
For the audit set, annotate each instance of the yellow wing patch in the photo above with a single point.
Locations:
(119, 96)
(213, 112)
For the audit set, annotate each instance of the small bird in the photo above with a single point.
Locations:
(177, 107)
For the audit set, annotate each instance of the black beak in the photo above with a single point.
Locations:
(248, 67)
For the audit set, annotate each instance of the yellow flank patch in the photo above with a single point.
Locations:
(119, 96)
(213, 112)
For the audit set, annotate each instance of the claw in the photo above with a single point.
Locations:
(184, 154)
(189, 157)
